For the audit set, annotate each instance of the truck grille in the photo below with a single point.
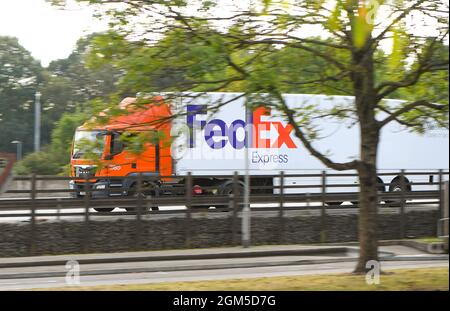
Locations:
(85, 172)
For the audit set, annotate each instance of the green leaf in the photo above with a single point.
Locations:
(361, 28)
(334, 22)
(399, 42)
(266, 5)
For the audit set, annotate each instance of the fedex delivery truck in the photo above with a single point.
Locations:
(213, 135)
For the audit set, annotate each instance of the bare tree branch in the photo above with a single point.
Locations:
(398, 19)
(306, 142)
(420, 103)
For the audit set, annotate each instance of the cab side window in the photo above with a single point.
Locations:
(117, 146)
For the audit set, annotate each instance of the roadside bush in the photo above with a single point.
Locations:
(53, 159)
(41, 163)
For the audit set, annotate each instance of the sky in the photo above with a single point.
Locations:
(47, 32)
(50, 33)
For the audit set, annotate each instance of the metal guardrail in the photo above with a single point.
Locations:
(443, 226)
(182, 194)
(443, 223)
(259, 194)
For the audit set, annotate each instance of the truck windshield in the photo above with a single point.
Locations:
(88, 142)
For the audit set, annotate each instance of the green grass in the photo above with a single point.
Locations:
(395, 280)
(430, 240)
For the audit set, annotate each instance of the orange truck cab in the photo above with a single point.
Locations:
(113, 158)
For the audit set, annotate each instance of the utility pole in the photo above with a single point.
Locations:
(246, 210)
(37, 122)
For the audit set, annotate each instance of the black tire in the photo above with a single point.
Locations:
(396, 186)
(227, 189)
(104, 209)
(133, 193)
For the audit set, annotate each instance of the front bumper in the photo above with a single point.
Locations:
(99, 190)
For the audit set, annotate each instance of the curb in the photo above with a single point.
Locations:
(215, 255)
(417, 257)
(174, 269)
(430, 248)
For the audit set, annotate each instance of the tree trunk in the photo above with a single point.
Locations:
(363, 86)
(368, 201)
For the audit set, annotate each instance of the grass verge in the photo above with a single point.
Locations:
(430, 240)
(429, 279)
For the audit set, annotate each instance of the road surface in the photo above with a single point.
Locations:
(204, 275)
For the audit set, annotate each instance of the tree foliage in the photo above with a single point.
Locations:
(68, 86)
(20, 75)
(261, 47)
(55, 157)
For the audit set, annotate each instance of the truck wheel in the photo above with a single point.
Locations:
(104, 209)
(133, 193)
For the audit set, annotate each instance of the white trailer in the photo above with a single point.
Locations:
(214, 142)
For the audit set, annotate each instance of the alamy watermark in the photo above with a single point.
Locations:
(73, 272)
(373, 275)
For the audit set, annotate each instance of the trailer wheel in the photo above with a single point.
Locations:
(104, 209)
(396, 186)
(228, 189)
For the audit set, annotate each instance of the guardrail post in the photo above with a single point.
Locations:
(137, 241)
(444, 215)
(323, 212)
(402, 205)
(32, 246)
(441, 210)
(188, 210)
(234, 209)
(58, 208)
(87, 205)
(281, 208)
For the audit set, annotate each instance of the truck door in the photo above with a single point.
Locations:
(126, 161)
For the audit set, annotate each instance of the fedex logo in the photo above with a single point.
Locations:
(218, 134)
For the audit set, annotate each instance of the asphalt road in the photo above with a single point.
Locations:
(215, 274)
